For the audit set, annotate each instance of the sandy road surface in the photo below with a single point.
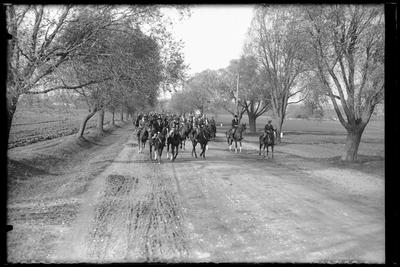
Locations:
(229, 207)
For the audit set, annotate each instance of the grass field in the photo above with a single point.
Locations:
(34, 125)
(316, 138)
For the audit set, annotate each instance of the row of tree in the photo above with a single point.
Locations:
(296, 53)
(114, 57)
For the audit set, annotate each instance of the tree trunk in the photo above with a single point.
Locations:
(352, 143)
(252, 122)
(279, 129)
(113, 117)
(100, 120)
(11, 108)
(84, 121)
(122, 115)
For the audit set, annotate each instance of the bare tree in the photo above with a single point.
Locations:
(35, 52)
(227, 82)
(252, 89)
(277, 40)
(348, 52)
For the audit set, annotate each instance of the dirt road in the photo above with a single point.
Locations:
(230, 207)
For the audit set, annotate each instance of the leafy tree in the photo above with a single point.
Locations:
(50, 42)
(347, 42)
(198, 93)
(131, 60)
(180, 103)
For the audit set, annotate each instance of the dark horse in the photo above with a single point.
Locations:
(237, 137)
(201, 136)
(184, 132)
(173, 140)
(158, 142)
(267, 141)
(142, 137)
(212, 129)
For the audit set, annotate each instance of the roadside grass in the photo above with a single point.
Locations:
(321, 140)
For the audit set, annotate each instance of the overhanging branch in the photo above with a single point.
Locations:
(65, 87)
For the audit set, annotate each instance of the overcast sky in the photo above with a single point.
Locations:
(213, 35)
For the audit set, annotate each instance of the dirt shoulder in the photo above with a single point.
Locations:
(46, 182)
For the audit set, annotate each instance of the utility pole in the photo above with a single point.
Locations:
(237, 95)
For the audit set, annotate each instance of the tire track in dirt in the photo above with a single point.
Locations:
(132, 213)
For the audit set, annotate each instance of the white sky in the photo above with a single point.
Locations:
(213, 35)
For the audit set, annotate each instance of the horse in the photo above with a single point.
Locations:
(184, 132)
(237, 137)
(142, 137)
(158, 142)
(267, 141)
(212, 130)
(201, 136)
(173, 139)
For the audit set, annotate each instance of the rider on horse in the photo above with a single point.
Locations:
(142, 122)
(138, 118)
(157, 127)
(174, 127)
(235, 124)
(269, 129)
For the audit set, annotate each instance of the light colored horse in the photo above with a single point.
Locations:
(237, 137)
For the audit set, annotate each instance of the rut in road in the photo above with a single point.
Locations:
(138, 217)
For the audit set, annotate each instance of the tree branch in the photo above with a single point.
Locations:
(65, 87)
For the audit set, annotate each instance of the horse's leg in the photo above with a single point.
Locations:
(259, 152)
(176, 152)
(168, 144)
(151, 151)
(264, 150)
(240, 146)
(235, 146)
(172, 152)
(194, 148)
(272, 151)
(201, 148)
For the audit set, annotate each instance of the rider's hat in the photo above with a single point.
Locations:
(235, 115)
(269, 121)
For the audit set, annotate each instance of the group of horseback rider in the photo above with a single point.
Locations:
(175, 128)
(174, 121)
(268, 128)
